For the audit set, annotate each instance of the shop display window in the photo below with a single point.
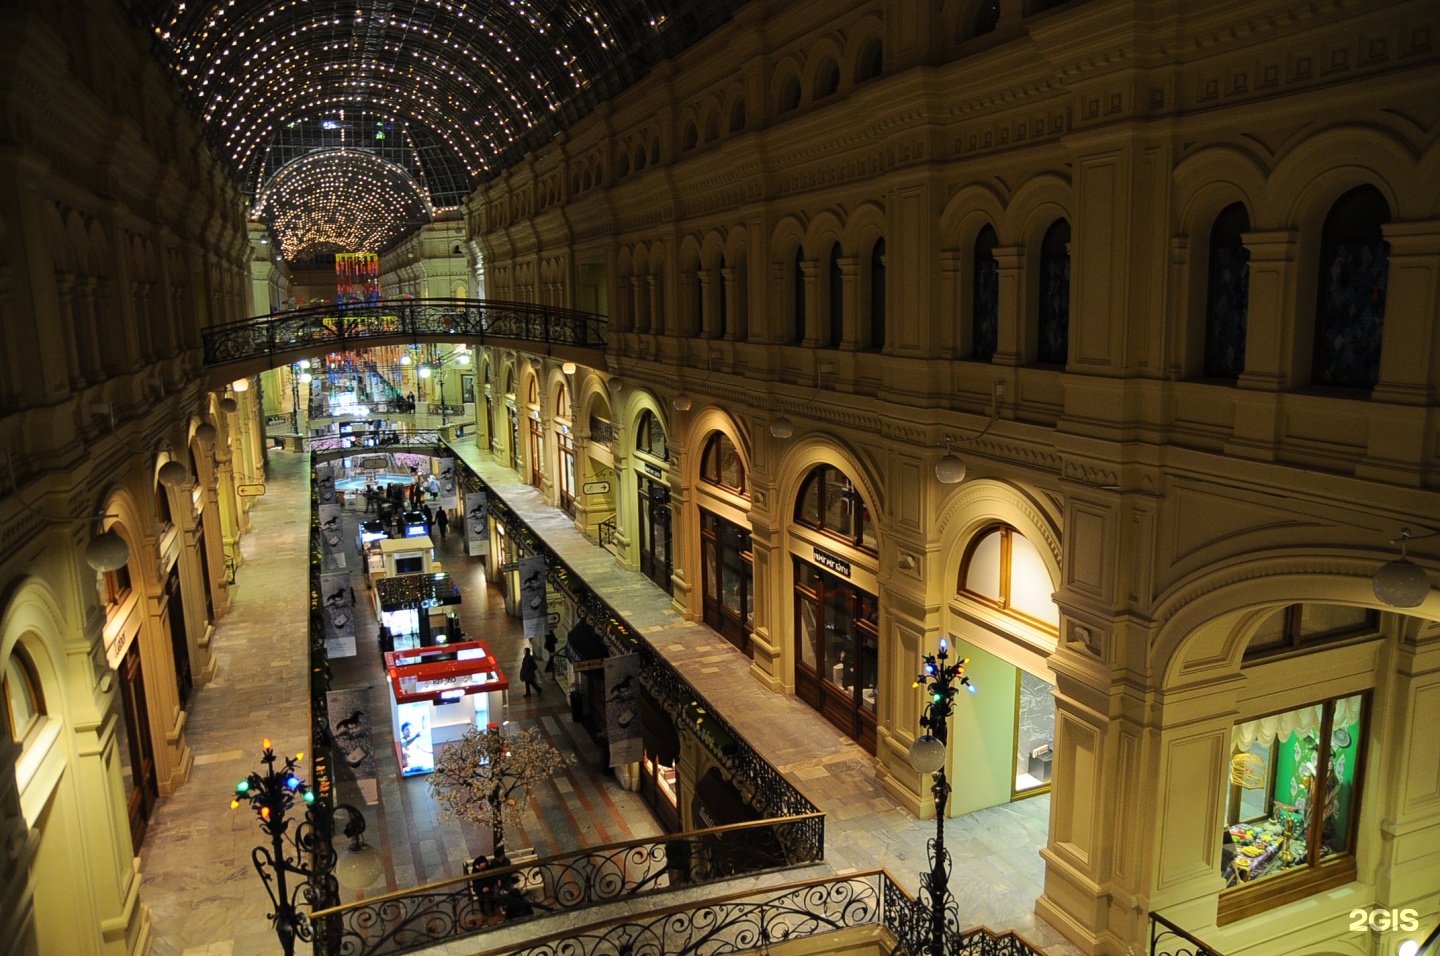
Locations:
(1293, 781)
(1034, 733)
(116, 585)
(838, 649)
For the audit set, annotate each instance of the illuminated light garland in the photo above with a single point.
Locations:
(341, 200)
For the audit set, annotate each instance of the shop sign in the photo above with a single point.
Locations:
(512, 566)
(596, 487)
(250, 491)
(652, 471)
(835, 564)
(378, 463)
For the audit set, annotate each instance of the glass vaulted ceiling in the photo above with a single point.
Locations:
(444, 94)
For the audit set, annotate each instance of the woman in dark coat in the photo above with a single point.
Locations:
(530, 673)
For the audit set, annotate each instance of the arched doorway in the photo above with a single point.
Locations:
(834, 556)
(1002, 617)
(564, 426)
(726, 556)
(652, 483)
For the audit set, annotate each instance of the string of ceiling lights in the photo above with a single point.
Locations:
(340, 200)
(478, 82)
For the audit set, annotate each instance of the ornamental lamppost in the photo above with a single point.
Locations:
(271, 795)
(942, 681)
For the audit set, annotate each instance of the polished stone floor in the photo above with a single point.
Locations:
(207, 899)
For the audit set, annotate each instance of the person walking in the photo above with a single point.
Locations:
(442, 521)
(530, 673)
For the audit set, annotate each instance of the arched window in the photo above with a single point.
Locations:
(829, 502)
(712, 127)
(799, 280)
(836, 333)
(877, 295)
(737, 115)
(654, 152)
(697, 314)
(720, 464)
(985, 300)
(722, 323)
(533, 397)
(622, 166)
(827, 80)
(162, 506)
(1227, 294)
(1354, 268)
(24, 703)
(871, 62)
(688, 136)
(987, 17)
(789, 93)
(1054, 326)
(650, 436)
(1003, 569)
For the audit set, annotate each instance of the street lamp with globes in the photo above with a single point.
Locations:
(942, 681)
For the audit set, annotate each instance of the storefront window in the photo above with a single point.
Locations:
(720, 464)
(829, 502)
(838, 653)
(1005, 570)
(1293, 785)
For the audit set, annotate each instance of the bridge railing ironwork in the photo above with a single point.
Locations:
(754, 920)
(336, 327)
(487, 899)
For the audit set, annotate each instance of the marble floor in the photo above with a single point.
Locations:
(207, 899)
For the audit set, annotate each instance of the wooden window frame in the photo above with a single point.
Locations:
(1318, 875)
(1003, 604)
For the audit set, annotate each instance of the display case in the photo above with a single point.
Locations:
(414, 611)
(436, 693)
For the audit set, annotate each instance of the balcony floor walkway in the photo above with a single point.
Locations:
(208, 901)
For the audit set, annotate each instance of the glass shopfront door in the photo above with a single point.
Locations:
(656, 562)
(726, 562)
(837, 650)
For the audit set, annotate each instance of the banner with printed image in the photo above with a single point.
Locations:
(449, 495)
(622, 709)
(337, 602)
(477, 526)
(325, 484)
(534, 613)
(332, 535)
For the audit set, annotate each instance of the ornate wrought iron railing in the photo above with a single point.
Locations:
(424, 916)
(606, 531)
(754, 920)
(760, 784)
(1167, 939)
(335, 327)
(321, 813)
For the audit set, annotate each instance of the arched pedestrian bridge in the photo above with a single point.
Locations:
(241, 349)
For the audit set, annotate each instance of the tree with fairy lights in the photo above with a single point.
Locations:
(486, 776)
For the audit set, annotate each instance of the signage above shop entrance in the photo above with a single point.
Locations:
(835, 564)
